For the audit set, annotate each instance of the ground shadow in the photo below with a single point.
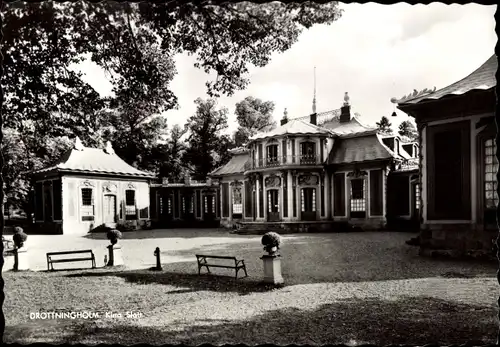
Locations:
(185, 233)
(406, 321)
(193, 281)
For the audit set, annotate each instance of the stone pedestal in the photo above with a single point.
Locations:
(8, 261)
(272, 269)
(22, 259)
(115, 255)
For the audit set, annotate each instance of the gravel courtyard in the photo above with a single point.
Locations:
(353, 288)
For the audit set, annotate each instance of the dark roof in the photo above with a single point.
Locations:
(234, 166)
(481, 79)
(94, 161)
(359, 149)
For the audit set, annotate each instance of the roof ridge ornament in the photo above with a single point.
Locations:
(346, 99)
(78, 145)
(415, 94)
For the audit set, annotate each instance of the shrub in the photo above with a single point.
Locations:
(270, 240)
(113, 236)
(19, 237)
(126, 226)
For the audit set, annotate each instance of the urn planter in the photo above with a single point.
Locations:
(115, 256)
(272, 269)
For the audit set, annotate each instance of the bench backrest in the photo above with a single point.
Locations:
(70, 252)
(215, 256)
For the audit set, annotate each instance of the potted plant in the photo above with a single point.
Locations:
(271, 242)
(272, 262)
(115, 251)
(20, 250)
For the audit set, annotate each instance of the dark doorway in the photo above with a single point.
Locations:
(308, 203)
(273, 212)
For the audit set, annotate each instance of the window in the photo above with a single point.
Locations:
(490, 170)
(169, 205)
(308, 153)
(272, 154)
(308, 199)
(213, 204)
(358, 200)
(205, 203)
(161, 205)
(417, 196)
(130, 209)
(237, 201)
(87, 206)
(183, 205)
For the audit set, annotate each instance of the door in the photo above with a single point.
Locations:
(165, 205)
(273, 207)
(308, 203)
(109, 209)
(209, 207)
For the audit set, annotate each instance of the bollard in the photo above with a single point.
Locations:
(158, 262)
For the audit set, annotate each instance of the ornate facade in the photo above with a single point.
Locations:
(87, 188)
(312, 171)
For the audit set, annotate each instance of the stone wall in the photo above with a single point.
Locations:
(457, 240)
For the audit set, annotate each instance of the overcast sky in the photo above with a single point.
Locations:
(374, 52)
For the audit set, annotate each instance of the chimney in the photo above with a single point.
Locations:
(313, 118)
(284, 120)
(345, 110)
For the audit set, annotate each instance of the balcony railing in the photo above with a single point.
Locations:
(283, 160)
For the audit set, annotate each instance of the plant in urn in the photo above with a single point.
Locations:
(20, 250)
(115, 250)
(272, 261)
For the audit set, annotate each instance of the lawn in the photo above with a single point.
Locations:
(353, 288)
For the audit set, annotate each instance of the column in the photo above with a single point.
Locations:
(327, 196)
(289, 190)
(257, 192)
(230, 197)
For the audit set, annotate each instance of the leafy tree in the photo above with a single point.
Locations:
(171, 165)
(408, 129)
(253, 116)
(384, 126)
(205, 138)
(134, 43)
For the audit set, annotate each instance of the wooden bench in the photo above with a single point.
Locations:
(51, 261)
(238, 264)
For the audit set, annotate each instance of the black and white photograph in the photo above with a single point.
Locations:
(249, 173)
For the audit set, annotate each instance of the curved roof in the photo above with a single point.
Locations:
(94, 161)
(360, 149)
(292, 127)
(481, 79)
(236, 165)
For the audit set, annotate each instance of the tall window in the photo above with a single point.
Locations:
(490, 170)
(169, 205)
(308, 153)
(87, 207)
(358, 198)
(308, 197)
(237, 201)
(417, 196)
(130, 208)
(272, 154)
(161, 205)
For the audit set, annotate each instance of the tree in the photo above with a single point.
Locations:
(134, 43)
(205, 138)
(172, 166)
(253, 116)
(384, 126)
(408, 129)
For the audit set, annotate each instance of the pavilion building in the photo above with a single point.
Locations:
(313, 172)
